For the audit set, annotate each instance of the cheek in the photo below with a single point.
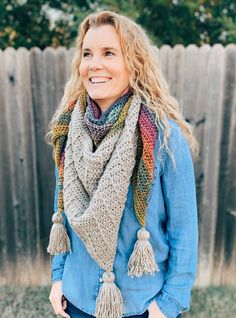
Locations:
(125, 76)
(83, 70)
(121, 72)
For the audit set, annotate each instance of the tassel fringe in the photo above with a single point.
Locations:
(142, 260)
(59, 241)
(109, 302)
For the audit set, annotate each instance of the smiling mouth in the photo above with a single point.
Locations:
(99, 80)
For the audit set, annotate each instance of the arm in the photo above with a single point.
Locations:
(58, 261)
(178, 185)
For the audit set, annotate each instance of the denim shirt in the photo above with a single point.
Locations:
(173, 226)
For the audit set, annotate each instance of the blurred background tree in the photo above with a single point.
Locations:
(45, 23)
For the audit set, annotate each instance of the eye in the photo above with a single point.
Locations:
(109, 53)
(85, 54)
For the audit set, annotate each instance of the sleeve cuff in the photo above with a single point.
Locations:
(56, 279)
(57, 266)
(56, 275)
(169, 306)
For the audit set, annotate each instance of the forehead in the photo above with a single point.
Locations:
(102, 36)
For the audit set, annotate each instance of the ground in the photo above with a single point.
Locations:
(28, 302)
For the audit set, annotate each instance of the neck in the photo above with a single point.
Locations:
(105, 106)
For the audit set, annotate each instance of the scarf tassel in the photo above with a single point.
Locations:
(59, 241)
(142, 260)
(109, 303)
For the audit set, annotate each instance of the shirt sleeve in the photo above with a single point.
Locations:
(178, 186)
(57, 261)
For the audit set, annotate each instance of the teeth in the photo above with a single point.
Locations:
(99, 80)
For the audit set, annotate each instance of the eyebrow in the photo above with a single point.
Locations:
(104, 48)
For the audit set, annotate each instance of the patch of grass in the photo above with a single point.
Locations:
(25, 302)
(213, 302)
(32, 302)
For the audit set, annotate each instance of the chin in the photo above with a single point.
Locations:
(97, 95)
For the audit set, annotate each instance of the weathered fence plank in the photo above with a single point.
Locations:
(27, 224)
(176, 75)
(31, 86)
(198, 119)
(44, 103)
(214, 77)
(11, 135)
(7, 239)
(224, 251)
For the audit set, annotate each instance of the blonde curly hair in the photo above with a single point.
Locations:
(146, 79)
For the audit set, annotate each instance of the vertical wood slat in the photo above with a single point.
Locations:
(28, 177)
(191, 80)
(230, 250)
(39, 106)
(211, 160)
(7, 250)
(43, 162)
(225, 255)
(230, 219)
(3, 233)
(9, 77)
(198, 119)
(31, 86)
(176, 74)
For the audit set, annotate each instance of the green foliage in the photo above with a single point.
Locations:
(30, 23)
(22, 302)
(45, 23)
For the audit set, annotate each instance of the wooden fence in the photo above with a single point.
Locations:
(31, 85)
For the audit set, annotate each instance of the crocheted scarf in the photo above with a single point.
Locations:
(97, 154)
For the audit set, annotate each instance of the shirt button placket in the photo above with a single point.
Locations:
(99, 280)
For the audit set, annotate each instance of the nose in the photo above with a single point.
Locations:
(95, 63)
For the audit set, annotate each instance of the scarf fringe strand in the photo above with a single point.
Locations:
(142, 260)
(59, 241)
(109, 302)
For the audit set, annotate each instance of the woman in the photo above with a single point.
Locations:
(125, 234)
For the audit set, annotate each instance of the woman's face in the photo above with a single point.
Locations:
(102, 67)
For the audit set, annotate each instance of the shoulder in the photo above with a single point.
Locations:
(178, 147)
(176, 138)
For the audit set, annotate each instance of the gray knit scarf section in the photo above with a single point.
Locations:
(96, 182)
